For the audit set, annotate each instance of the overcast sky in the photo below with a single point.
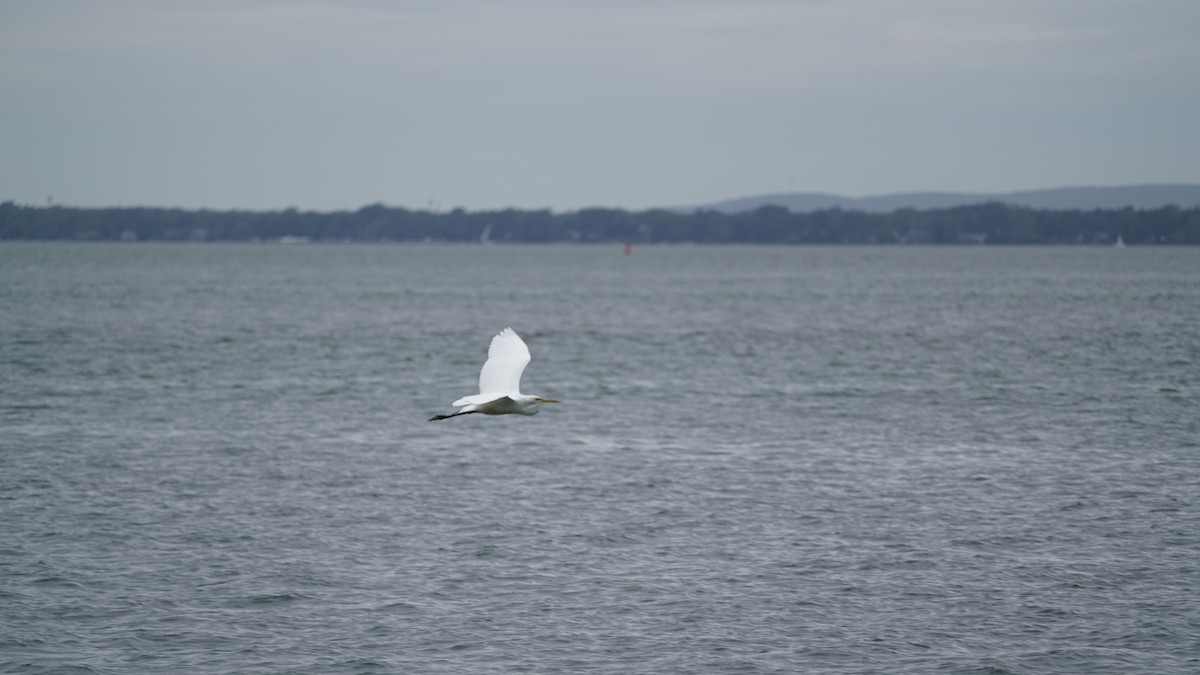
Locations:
(565, 104)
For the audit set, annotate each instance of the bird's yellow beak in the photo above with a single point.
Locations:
(542, 399)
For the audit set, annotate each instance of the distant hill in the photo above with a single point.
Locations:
(1069, 198)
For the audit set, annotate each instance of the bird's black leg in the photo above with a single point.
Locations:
(446, 417)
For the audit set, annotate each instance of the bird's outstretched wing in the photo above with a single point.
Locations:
(507, 358)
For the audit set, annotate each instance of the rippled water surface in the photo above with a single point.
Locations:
(843, 460)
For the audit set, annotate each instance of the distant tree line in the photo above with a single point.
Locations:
(992, 223)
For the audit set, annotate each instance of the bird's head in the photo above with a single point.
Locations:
(543, 399)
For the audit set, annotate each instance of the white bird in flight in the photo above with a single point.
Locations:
(500, 382)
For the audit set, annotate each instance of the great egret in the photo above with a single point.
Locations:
(500, 382)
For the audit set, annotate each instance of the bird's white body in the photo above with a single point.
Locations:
(500, 381)
(513, 404)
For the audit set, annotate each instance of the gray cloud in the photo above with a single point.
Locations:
(565, 104)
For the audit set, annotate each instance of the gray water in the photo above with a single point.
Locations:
(215, 458)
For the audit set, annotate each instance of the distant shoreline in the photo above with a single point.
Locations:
(980, 224)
